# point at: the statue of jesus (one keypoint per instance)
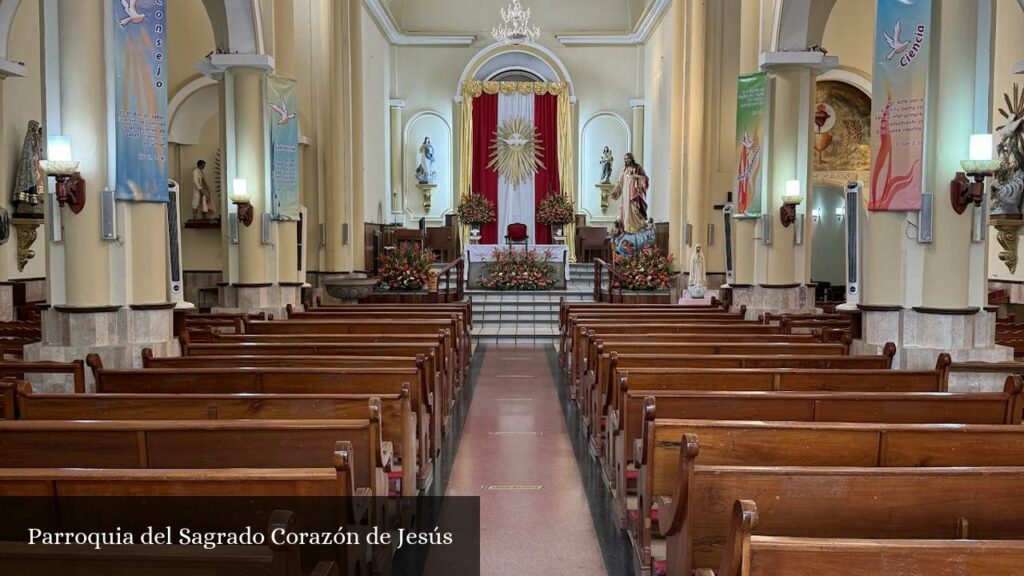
(634, 181)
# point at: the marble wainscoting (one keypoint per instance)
(773, 298)
(118, 334)
(256, 298)
(921, 334)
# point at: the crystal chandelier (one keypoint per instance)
(516, 28)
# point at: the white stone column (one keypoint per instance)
(637, 106)
(397, 201)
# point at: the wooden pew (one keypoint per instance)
(466, 307)
(602, 359)
(443, 400)
(177, 444)
(159, 560)
(335, 482)
(834, 502)
(748, 554)
(397, 421)
(657, 380)
(459, 342)
(19, 368)
(325, 381)
(736, 443)
(579, 344)
(915, 407)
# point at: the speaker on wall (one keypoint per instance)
(730, 277)
(854, 189)
(108, 221)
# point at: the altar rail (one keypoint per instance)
(610, 293)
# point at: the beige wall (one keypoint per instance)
(189, 38)
(23, 101)
(849, 35)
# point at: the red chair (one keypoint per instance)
(517, 234)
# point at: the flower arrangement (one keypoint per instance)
(407, 267)
(518, 270)
(555, 210)
(476, 210)
(645, 269)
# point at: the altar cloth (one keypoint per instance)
(480, 254)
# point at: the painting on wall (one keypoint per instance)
(842, 128)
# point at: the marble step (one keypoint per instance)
(516, 330)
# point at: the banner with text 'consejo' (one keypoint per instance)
(140, 84)
(898, 95)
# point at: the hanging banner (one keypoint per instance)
(284, 147)
(140, 86)
(751, 105)
(899, 88)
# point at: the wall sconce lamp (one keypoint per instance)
(963, 191)
(70, 188)
(240, 198)
(790, 199)
(816, 214)
(840, 214)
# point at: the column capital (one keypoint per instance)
(10, 69)
(779, 61)
(217, 65)
(637, 103)
(396, 103)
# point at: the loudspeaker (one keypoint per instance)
(730, 277)
(766, 229)
(108, 221)
(854, 189)
(175, 288)
(925, 219)
(688, 234)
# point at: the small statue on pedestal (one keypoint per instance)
(697, 284)
(30, 182)
(606, 165)
(202, 205)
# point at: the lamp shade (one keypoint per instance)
(240, 191)
(981, 147)
(792, 193)
(58, 148)
(840, 212)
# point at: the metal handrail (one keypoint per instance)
(599, 267)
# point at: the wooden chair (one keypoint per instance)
(593, 240)
(517, 233)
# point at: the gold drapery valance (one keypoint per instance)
(474, 88)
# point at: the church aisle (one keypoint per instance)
(515, 454)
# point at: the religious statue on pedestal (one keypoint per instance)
(606, 165)
(425, 173)
(30, 183)
(697, 284)
(202, 205)
(634, 183)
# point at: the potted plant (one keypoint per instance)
(407, 267)
(556, 210)
(475, 210)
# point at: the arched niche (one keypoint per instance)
(422, 125)
(828, 230)
(499, 58)
(600, 130)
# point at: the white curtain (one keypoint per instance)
(515, 204)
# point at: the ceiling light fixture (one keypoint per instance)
(516, 28)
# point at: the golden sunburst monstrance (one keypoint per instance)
(515, 152)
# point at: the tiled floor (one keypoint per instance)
(516, 454)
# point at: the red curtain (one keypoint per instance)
(545, 110)
(485, 180)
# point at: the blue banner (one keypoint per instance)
(140, 43)
(282, 101)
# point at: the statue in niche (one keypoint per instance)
(30, 182)
(697, 284)
(425, 173)
(1008, 190)
(606, 165)
(634, 183)
(202, 204)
